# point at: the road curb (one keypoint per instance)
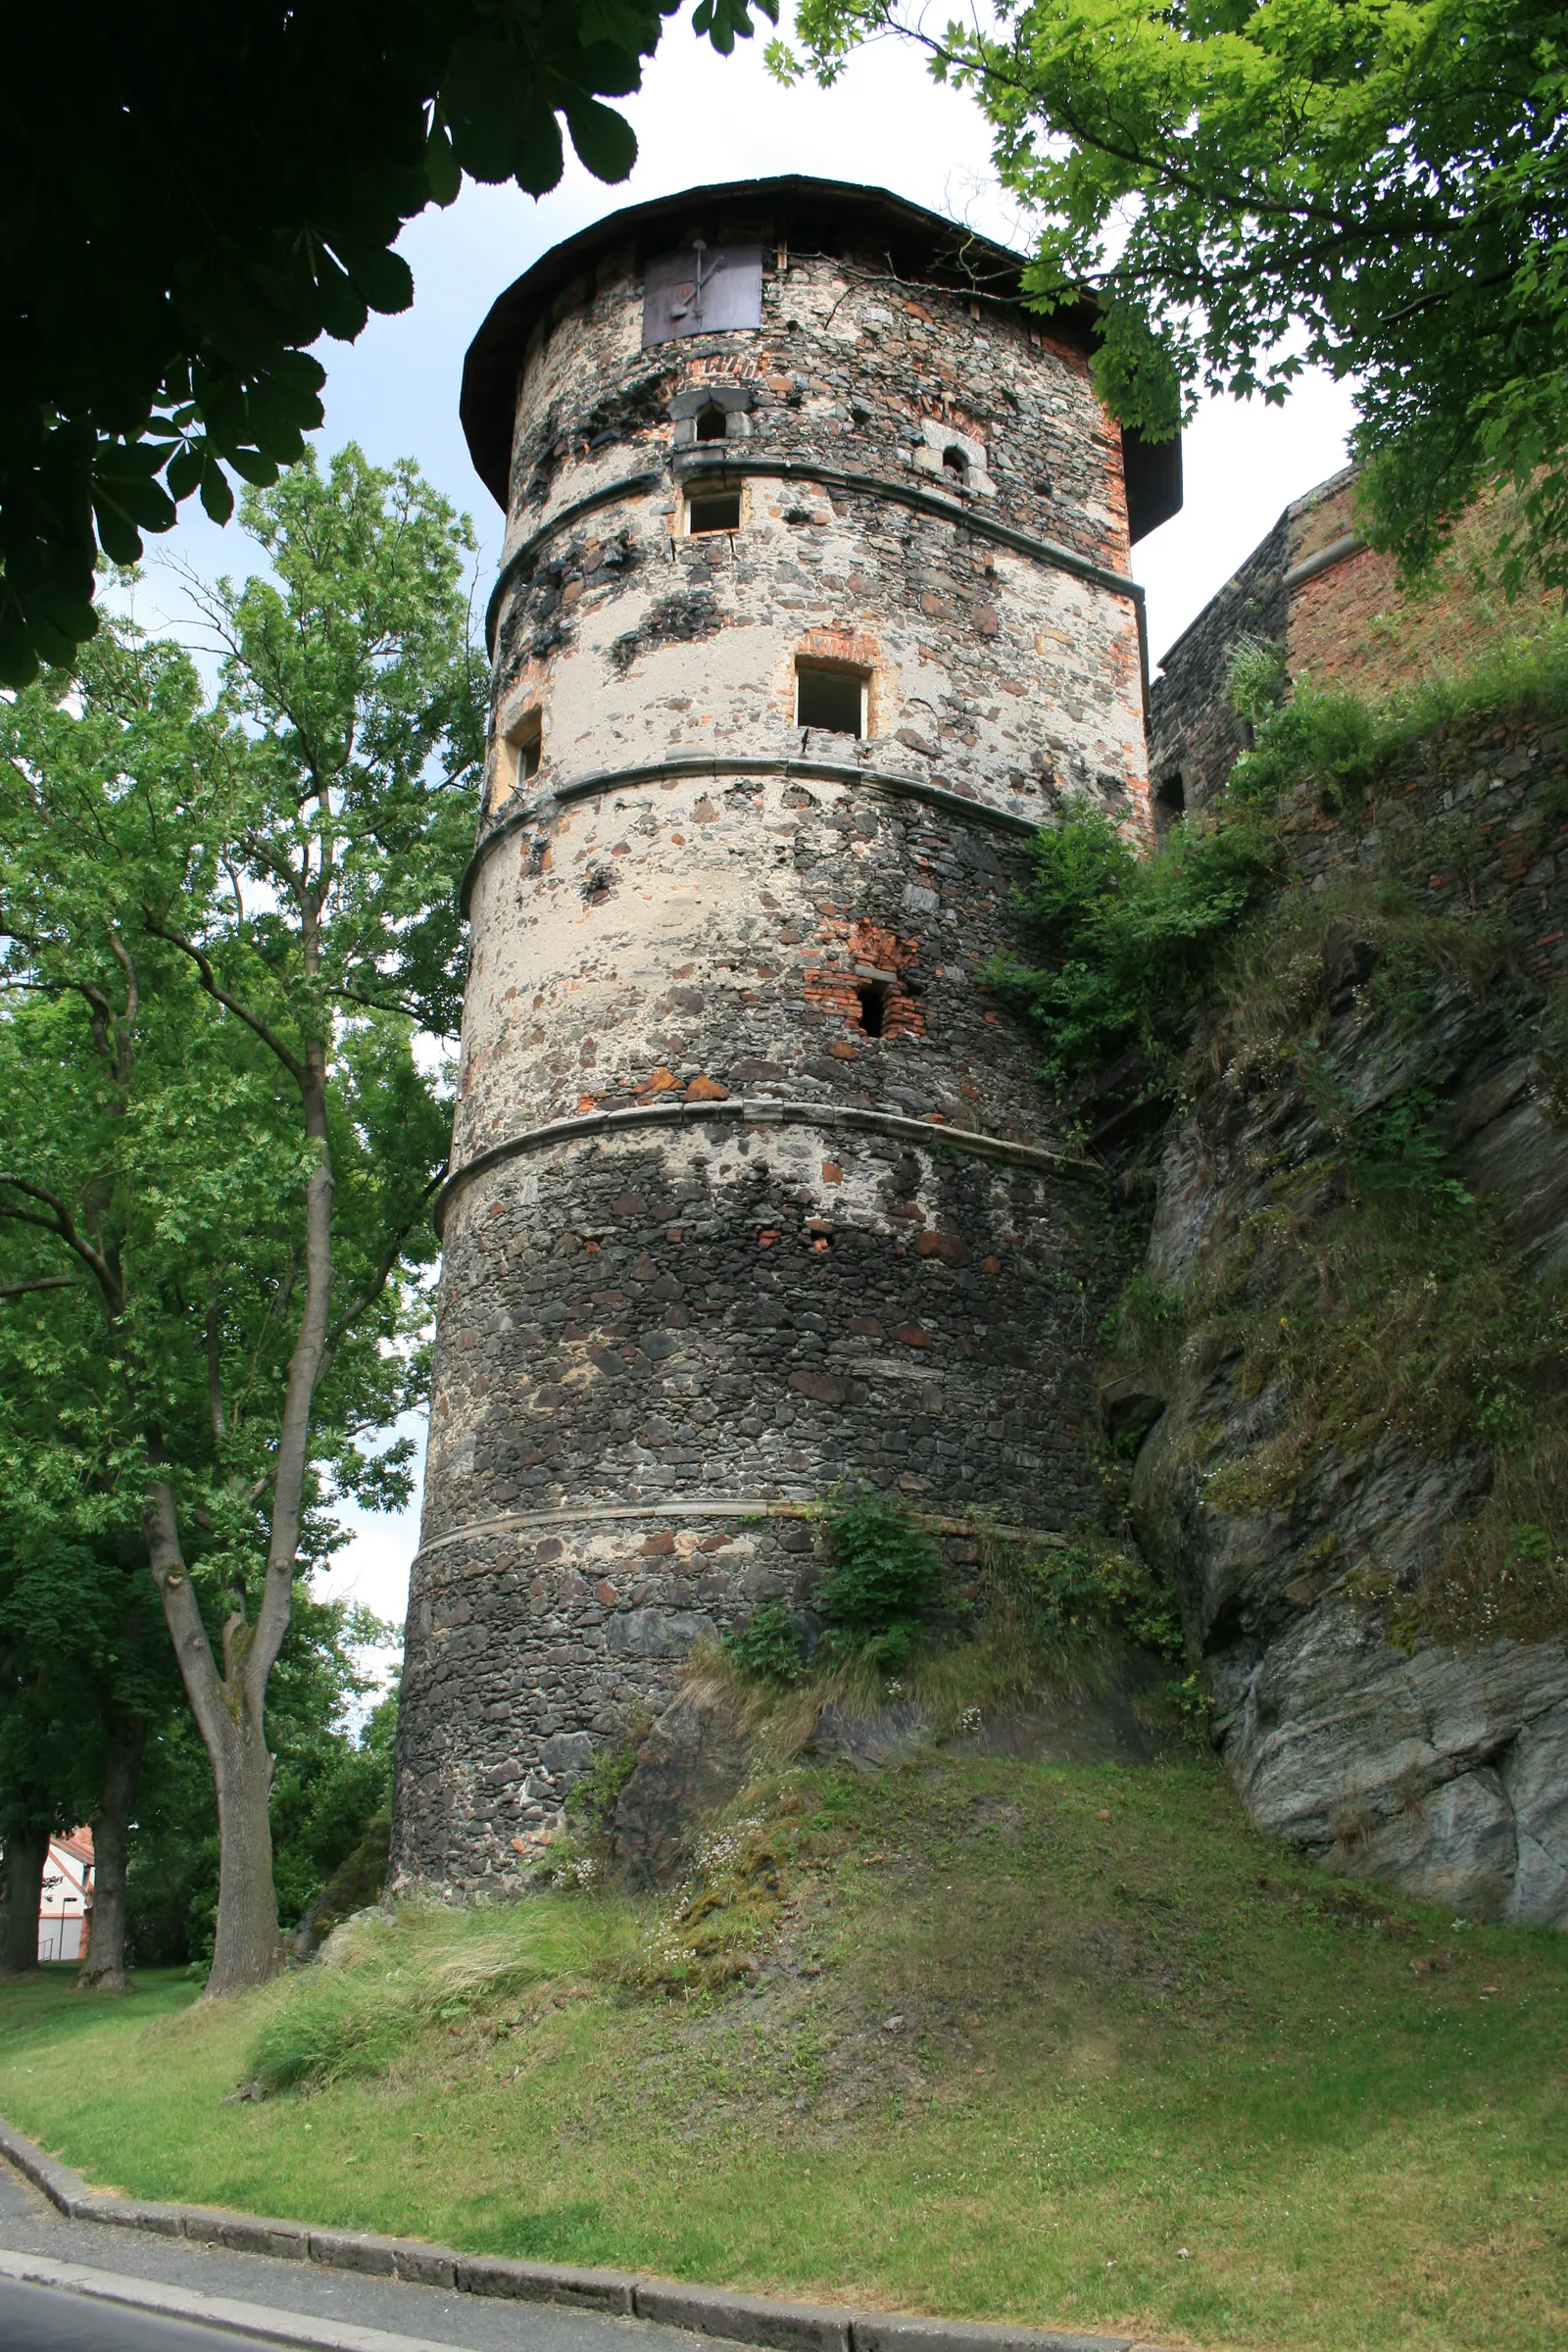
(258, 2321)
(736, 2319)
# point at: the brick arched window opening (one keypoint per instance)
(710, 422)
(873, 996)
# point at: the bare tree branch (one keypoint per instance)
(394, 1251)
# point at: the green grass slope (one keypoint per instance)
(1039, 2043)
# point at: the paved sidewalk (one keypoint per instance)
(421, 2315)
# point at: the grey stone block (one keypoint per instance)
(567, 1753)
(203, 2224)
(60, 2185)
(243, 2233)
(546, 2282)
(128, 2213)
(424, 2265)
(744, 2318)
(354, 2250)
(960, 2335)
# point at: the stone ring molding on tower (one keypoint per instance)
(813, 605)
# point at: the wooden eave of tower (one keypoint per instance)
(921, 247)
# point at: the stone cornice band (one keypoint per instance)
(707, 1506)
(828, 477)
(701, 467)
(881, 780)
(1348, 543)
(751, 1112)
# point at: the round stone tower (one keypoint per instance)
(814, 606)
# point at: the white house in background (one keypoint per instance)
(66, 1903)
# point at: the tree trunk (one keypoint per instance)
(228, 1716)
(229, 1705)
(21, 1895)
(103, 1966)
(248, 1949)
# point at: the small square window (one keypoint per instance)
(831, 698)
(712, 511)
(518, 753)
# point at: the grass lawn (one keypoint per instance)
(1038, 2042)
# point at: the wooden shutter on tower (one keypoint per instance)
(702, 290)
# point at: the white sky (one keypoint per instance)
(701, 118)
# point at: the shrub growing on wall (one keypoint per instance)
(883, 1575)
(1128, 941)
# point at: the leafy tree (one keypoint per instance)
(186, 214)
(227, 929)
(1379, 187)
(85, 1670)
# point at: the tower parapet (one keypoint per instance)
(814, 605)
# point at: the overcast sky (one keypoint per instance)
(701, 119)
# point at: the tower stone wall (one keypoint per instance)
(753, 1191)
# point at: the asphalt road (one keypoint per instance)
(43, 2318)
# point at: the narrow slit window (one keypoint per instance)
(831, 698)
(873, 996)
(712, 511)
(711, 423)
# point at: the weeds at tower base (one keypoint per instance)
(1046, 1617)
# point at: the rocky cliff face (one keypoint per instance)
(1348, 1345)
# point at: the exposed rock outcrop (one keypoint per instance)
(1077, 1726)
(692, 1762)
(1302, 1550)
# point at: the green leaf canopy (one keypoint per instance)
(187, 207)
(1379, 187)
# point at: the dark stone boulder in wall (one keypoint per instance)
(692, 1763)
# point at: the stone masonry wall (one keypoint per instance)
(1482, 807)
(738, 1310)
(1195, 737)
(1348, 625)
(753, 1189)
(994, 674)
(708, 936)
(651, 1323)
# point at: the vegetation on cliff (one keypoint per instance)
(1372, 1285)
(1040, 1612)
